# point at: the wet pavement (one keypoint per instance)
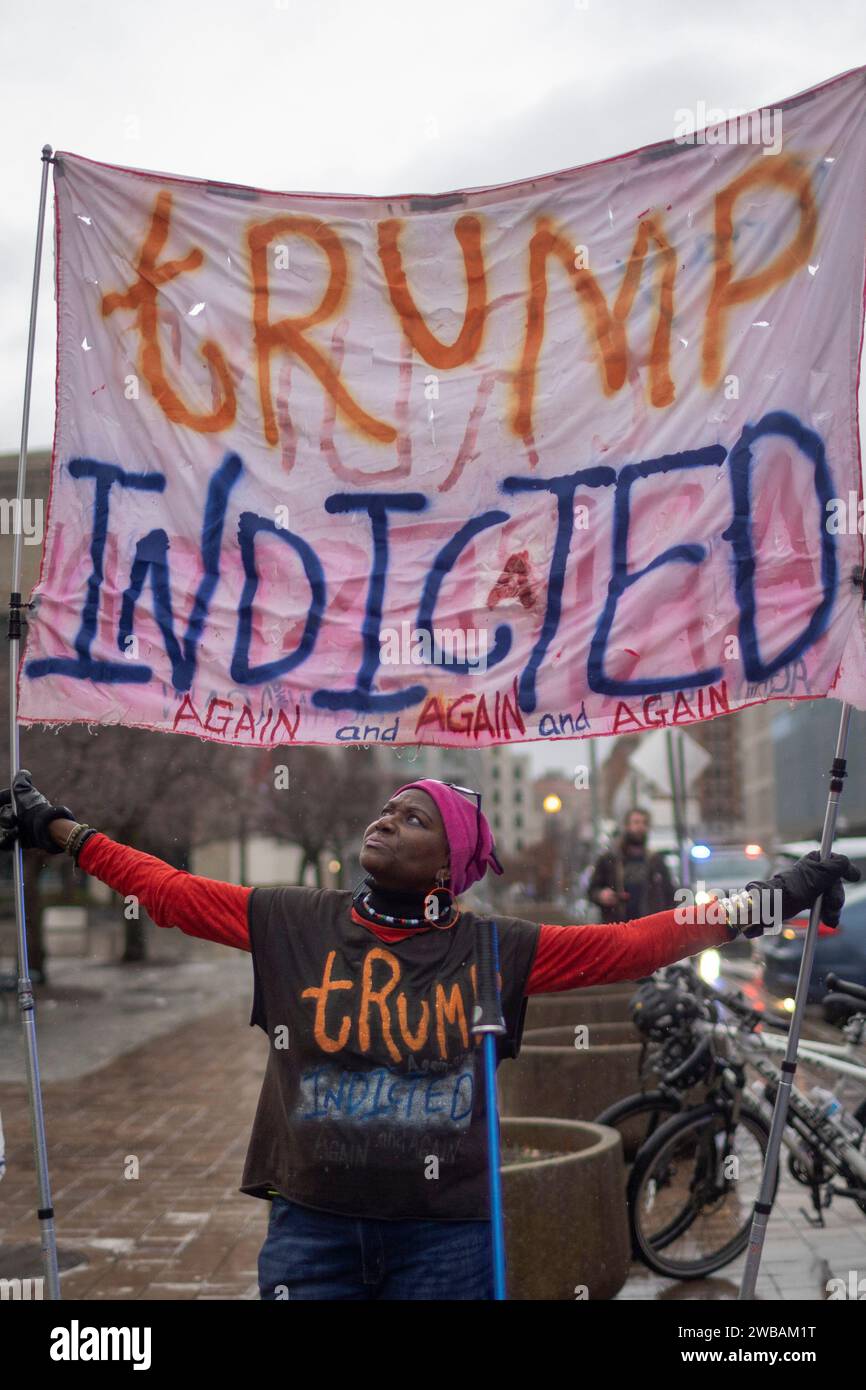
(145, 1157)
(150, 1077)
(146, 1150)
(798, 1261)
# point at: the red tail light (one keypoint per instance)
(802, 924)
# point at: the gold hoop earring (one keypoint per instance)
(440, 906)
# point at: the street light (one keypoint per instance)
(552, 805)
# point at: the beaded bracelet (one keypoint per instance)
(79, 833)
(734, 915)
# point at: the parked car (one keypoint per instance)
(842, 950)
(725, 869)
(852, 845)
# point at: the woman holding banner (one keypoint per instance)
(369, 1137)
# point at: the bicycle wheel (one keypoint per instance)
(853, 1180)
(637, 1118)
(690, 1204)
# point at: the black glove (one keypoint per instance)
(30, 819)
(810, 878)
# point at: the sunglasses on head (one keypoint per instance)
(465, 791)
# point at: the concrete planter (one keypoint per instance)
(552, 1077)
(566, 1226)
(597, 1035)
(599, 1004)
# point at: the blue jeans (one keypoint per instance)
(322, 1255)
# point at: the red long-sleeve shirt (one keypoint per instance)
(568, 957)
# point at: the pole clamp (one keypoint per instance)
(16, 620)
(838, 773)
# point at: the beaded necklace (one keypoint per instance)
(386, 919)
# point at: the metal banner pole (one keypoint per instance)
(764, 1204)
(675, 800)
(26, 1004)
(594, 799)
(685, 857)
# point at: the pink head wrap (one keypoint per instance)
(471, 855)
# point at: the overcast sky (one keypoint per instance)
(366, 96)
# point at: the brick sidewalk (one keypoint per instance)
(797, 1262)
(182, 1104)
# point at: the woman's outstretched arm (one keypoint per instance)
(572, 957)
(198, 906)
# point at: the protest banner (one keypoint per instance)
(576, 455)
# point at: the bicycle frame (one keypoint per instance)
(824, 1132)
(838, 1058)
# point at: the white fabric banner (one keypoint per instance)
(575, 455)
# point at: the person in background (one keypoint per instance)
(629, 881)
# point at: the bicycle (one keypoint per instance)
(838, 1141)
(695, 1180)
(664, 1011)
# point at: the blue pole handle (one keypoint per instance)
(489, 1023)
(494, 1159)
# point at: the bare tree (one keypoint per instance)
(141, 788)
(319, 799)
(165, 795)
